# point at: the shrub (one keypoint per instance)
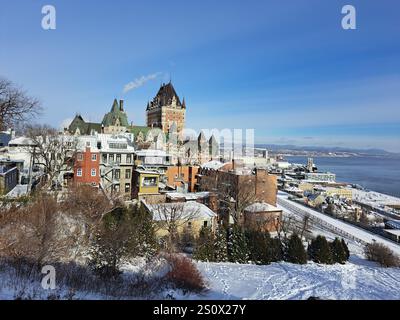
(346, 249)
(258, 243)
(184, 274)
(382, 254)
(221, 245)
(237, 246)
(275, 250)
(339, 253)
(319, 250)
(204, 249)
(295, 252)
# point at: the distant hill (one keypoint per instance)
(288, 147)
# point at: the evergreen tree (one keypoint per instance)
(338, 252)
(275, 250)
(319, 250)
(110, 245)
(144, 241)
(257, 244)
(237, 246)
(204, 249)
(221, 245)
(295, 252)
(346, 249)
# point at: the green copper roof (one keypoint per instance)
(136, 129)
(84, 127)
(116, 114)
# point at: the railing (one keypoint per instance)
(329, 227)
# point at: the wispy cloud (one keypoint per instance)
(138, 82)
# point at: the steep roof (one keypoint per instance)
(116, 114)
(84, 127)
(164, 96)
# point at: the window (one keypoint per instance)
(117, 174)
(127, 187)
(118, 160)
(116, 188)
(127, 173)
(79, 172)
(128, 158)
(80, 157)
(116, 145)
(205, 224)
(105, 158)
(94, 157)
(88, 144)
(149, 182)
(93, 172)
(110, 158)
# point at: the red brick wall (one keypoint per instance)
(87, 164)
(186, 173)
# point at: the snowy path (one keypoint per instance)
(290, 281)
(347, 230)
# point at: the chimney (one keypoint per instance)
(121, 105)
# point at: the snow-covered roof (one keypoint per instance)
(151, 153)
(182, 210)
(19, 190)
(395, 232)
(21, 141)
(214, 165)
(261, 207)
(188, 196)
(143, 171)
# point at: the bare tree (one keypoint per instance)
(172, 216)
(16, 107)
(305, 224)
(53, 152)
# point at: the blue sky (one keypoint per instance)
(285, 68)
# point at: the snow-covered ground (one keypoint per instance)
(357, 279)
(340, 227)
(374, 199)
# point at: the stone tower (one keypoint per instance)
(166, 110)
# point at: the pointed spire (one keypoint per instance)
(183, 103)
(115, 106)
(212, 140)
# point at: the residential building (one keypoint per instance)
(87, 165)
(8, 178)
(145, 183)
(237, 186)
(320, 177)
(346, 193)
(190, 216)
(262, 216)
(182, 178)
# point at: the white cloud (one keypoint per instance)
(138, 82)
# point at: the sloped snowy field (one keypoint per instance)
(355, 280)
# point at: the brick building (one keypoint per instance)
(86, 167)
(237, 187)
(182, 177)
(166, 109)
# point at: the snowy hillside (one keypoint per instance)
(355, 280)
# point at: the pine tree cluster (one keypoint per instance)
(322, 251)
(256, 246)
